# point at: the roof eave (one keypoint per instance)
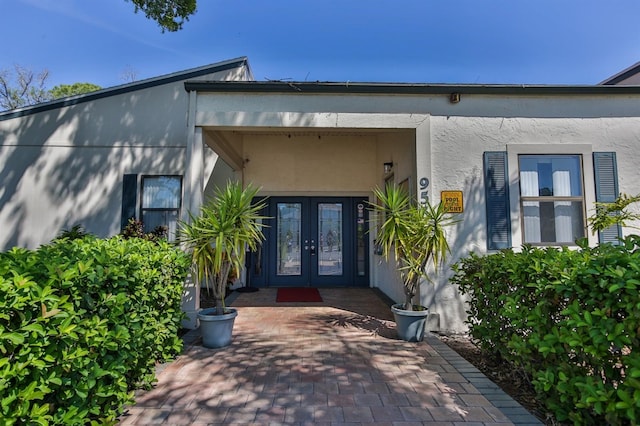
(126, 88)
(401, 88)
(622, 75)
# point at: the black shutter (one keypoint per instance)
(497, 200)
(129, 198)
(606, 180)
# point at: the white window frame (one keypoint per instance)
(588, 182)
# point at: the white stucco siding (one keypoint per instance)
(471, 105)
(461, 132)
(242, 73)
(458, 144)
(154, 116)
(65, 166)
(54, 188)
(467, 137)
(306, 165)
(622, 135)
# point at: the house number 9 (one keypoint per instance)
(424, 192)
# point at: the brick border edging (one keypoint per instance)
(492, 392)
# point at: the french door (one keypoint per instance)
(314, 241)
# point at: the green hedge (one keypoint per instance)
(82, 324)
(569, 318)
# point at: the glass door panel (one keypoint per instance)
(330, 259)
(314, 241)
(288, 248)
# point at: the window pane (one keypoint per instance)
(161, 192)
(163, 195)
(154, 218)
(550, 175)
(553, 222)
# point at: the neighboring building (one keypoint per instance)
(529, 162)
(627, 77)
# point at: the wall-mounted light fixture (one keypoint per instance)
(454, 98)
(388, 167)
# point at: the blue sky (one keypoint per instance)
(429, 41)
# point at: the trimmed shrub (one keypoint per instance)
(569, 318)
(83, 323)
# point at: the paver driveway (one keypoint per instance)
(337, 362)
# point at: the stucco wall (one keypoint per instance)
(64, 166)
(457, 147)
(307, 165)
(458, 144)
(57, 187)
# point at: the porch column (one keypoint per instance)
(427, 293)
(193, 196)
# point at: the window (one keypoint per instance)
(552, 199)
(161, 201)
(539, 194)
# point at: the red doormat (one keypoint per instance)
(298, 294)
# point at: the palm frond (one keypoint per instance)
(415, 233)
(218, 236)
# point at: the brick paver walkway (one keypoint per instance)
(332, 363)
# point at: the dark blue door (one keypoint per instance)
(314, 241)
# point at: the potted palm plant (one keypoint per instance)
(217, 239)
(414, 233)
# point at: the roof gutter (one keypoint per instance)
(402, 88)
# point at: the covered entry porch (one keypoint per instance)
(318, 171)
(318, 184)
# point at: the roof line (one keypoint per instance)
(622, 75)
(402, 88)
(126, 88)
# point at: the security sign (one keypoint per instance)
(452, 201)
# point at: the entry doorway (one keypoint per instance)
(313, 242)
